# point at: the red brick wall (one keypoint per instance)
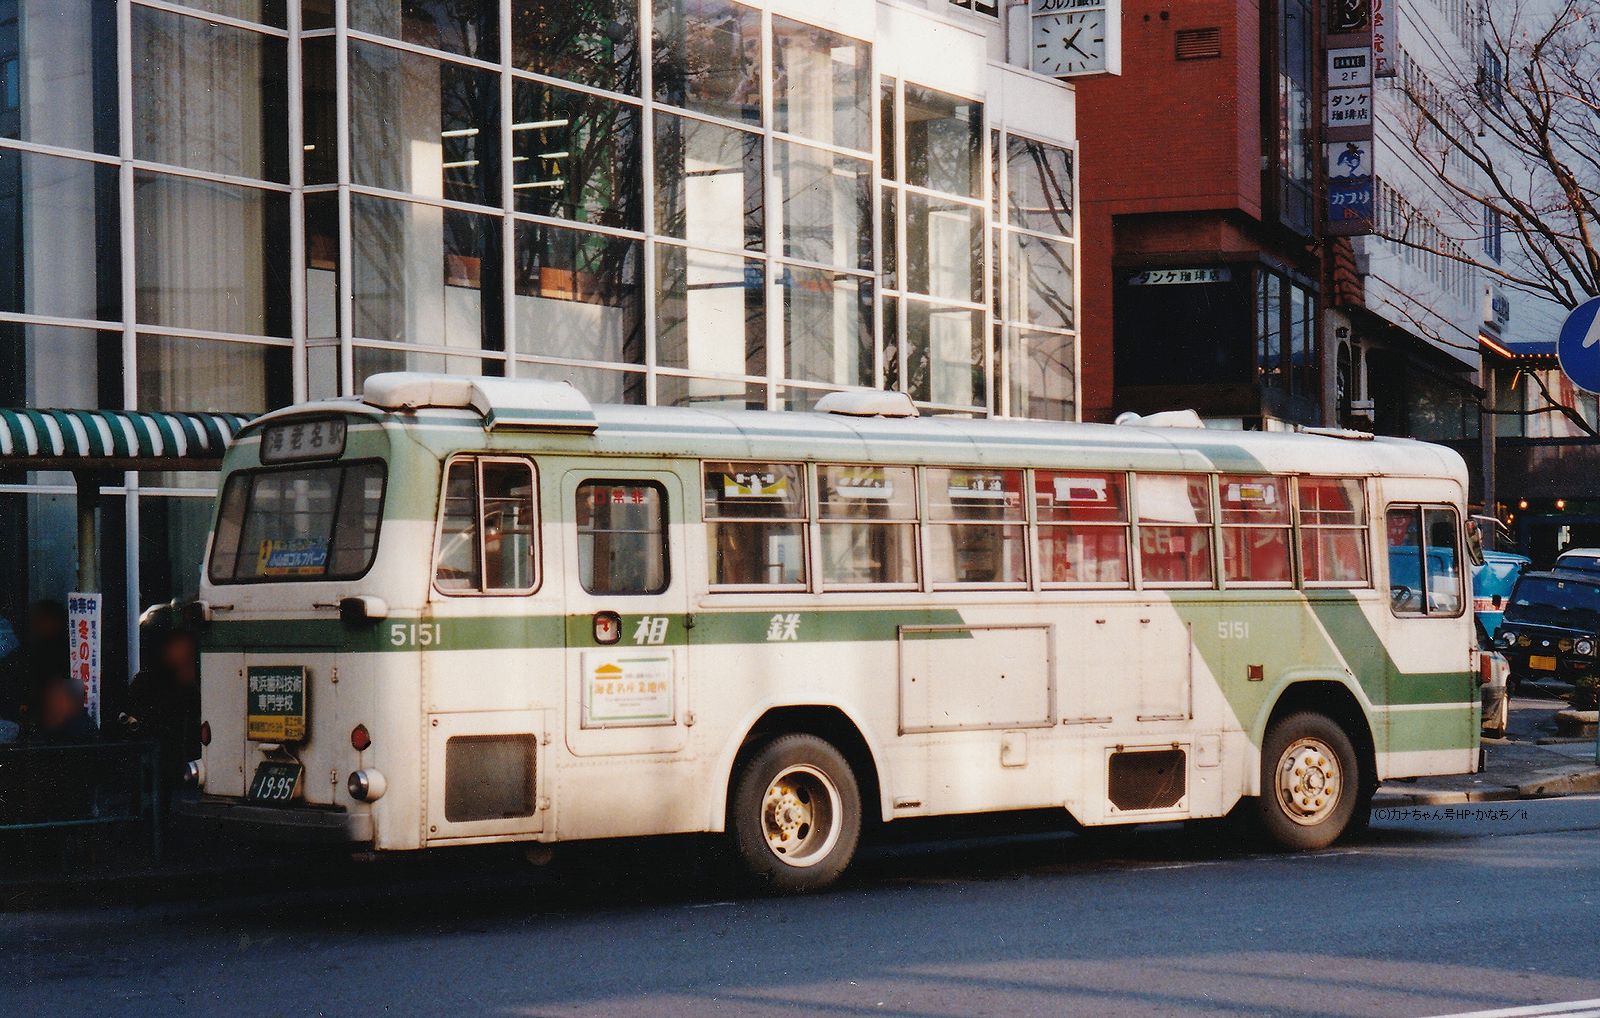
(1165, 136)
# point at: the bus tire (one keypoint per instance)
(1310, 781)
(795, 815)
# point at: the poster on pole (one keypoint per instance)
(83, 620)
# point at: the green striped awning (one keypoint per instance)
(114, 439)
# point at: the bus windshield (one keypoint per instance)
(1549, 601)
(306, 522)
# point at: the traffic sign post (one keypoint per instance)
(1578, 347)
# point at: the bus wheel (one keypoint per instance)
(796, 814)
(1310, 781)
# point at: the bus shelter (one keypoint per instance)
(98, 448)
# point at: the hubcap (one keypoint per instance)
(1309, 782)
(800, 815)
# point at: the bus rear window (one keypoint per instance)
(298, 523)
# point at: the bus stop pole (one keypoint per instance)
(88, 543)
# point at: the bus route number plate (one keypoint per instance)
(276, 699)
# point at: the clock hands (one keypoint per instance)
(1072, 43)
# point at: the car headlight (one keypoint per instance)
(1584, 647)
(1504, 639)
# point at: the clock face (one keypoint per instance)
(1073, 43)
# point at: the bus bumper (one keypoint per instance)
(279, 823)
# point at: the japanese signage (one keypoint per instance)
(622, 689)
(1348, 110)
(83, 620)
(1350, 187)
(1384, 32)
(275, 697)
(748, 484)
(302, 440)
(1350, 15)
(293, 556)
(1349, 107)
(1349, 66)
(1178, 277)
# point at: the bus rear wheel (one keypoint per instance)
(1310, 781)
(795, 816)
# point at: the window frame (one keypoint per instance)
(666, 533)
(1421, 508)
(1302, 530)
(805, 520)
(535, 544)
(925, 521)
(1212, 528)
(821, 584)
(1290, 528)
(249, 500)
(1039, 527)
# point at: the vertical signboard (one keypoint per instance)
(1384, 13)
(1348, 110)
(83, 620)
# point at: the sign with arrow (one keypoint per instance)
(1578, 347)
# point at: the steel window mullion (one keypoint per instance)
(346, 268)
(647, 143)
(215, 18)
(297, 206)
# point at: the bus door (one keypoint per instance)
(489, 637)
(627, 606)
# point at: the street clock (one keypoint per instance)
(1072, 38)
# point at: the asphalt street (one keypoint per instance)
(1481, 909)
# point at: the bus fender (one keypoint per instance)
(721, 777)
(1332, 693)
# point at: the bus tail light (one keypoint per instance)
(205, 733)
(366, 785)
(360, 738)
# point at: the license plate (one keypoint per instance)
(276, 783)
(1542, 663)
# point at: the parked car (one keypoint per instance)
(1582, 560)
(1494, 681)
(1551, 626)
(1492, 582)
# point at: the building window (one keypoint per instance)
(1492, 233)
(989, 7)
(1294, 128)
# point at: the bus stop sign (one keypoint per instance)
(1578, 347)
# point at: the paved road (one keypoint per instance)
(1423, 916)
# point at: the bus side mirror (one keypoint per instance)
(361, 609)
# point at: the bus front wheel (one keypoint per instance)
(796, 814)
(1310, 781)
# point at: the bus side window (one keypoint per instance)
(1333, 531)
(486, 530)
(755, 517)
(1174, 529)
(1256, 529)
(622, 537)
(1424, 571)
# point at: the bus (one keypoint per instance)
(455, 611)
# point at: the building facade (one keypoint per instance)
(231, 205)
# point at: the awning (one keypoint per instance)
(114, 439)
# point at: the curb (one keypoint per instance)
(1549, 788)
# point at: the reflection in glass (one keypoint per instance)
(708, 183)
(423, 125)
(423, 274)
(827, 326)
(579, 295)
(710, 393)
(1044, 372)
(319, 122)
(710, 312)
(209, 97)
(576, 156)
(944, 142)
(322, 266)
(59, 237)
(708, 57)
(209, 255)
(60, 73)
(944, 248)
(53, 366)
(267, 12)
(470, 29)
(827, 206)
(822, 85)
(598, 384)
(371, 360)
(1041, 281)
(202, 374)
(944, 355)
(594, 43)
(1039, 186)
(888, 165)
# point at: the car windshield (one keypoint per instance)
(1587, 563)
(298, 523)
(1543, 599)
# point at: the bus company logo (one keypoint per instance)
(784, 627)
(651, 630)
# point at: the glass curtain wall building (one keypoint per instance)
(235, 204)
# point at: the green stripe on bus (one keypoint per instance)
(1443, 728)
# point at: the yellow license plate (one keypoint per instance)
(1542, 663)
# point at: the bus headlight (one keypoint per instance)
(367, 785)
(1584, 647)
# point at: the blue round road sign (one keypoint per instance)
(1578, 347)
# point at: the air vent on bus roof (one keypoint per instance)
(1164, 419)
(867, 403)
(502, 402)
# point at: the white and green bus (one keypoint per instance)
(466, 610)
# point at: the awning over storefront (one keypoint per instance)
(114, 439)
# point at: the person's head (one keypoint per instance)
(179, 657)
(60, 700)
(47, 622)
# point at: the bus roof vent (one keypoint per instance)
(509, 403)
(1164, 419)
(867, 403)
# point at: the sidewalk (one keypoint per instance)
(1530, 763)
